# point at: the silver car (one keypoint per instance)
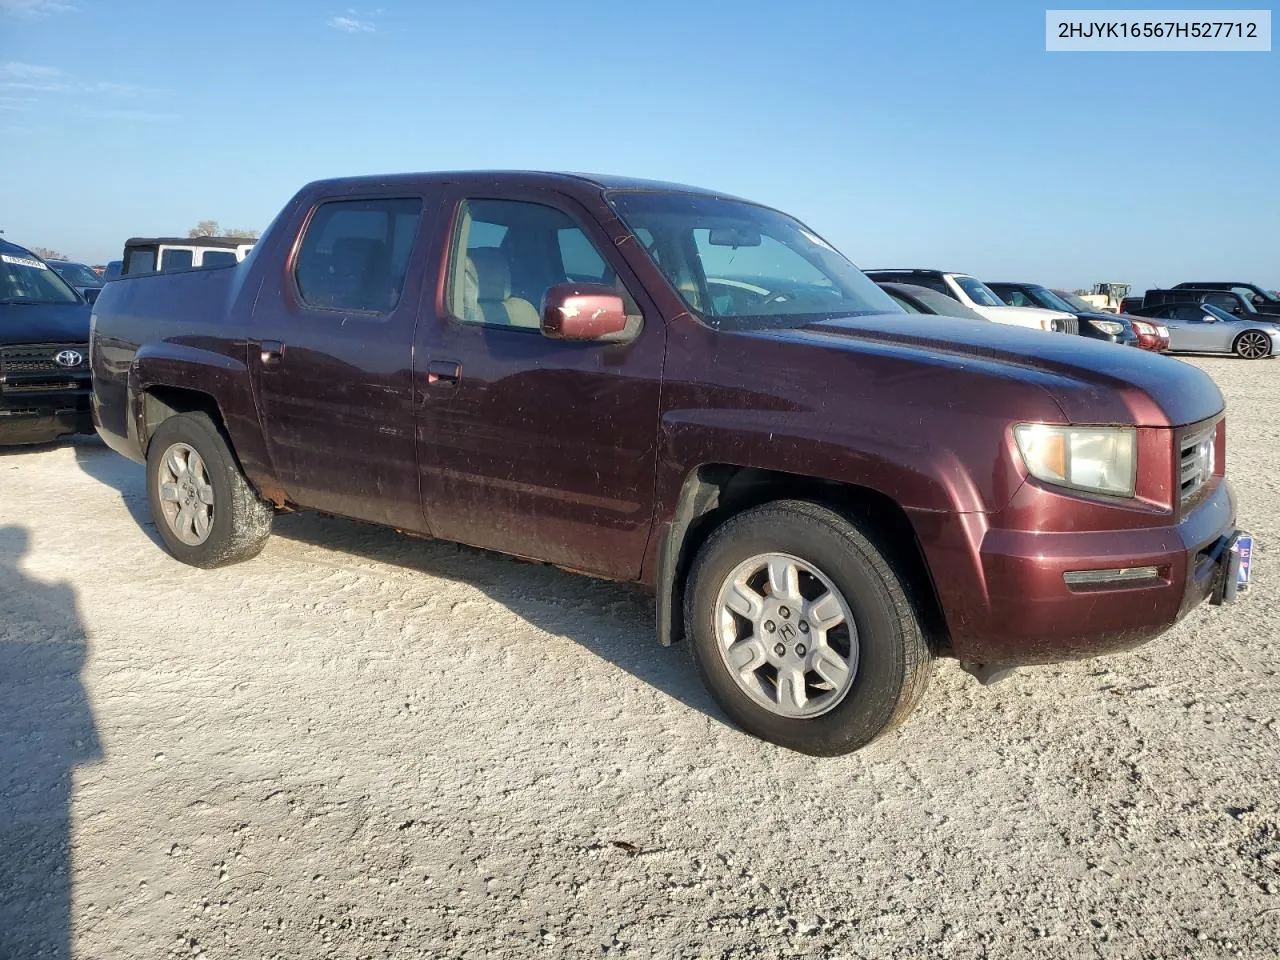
(1204, 328)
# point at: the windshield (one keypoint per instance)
(1051, 301)
(946, 306)
(1219, 312)
(27, 279)
(979, 292)
(1077, 304)
(77, 274)
(744, 267)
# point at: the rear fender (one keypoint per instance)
(226, 381)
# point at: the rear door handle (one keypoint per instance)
(272, 351)
(444, 371)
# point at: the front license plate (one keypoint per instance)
(1244, 547)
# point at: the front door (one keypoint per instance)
(531, 446)
(332, 356)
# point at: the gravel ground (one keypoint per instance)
(362, 745)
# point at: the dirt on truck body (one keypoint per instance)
(659, 384)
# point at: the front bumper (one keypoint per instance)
(1024, 611)
(46, 422)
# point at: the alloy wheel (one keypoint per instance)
(1253, 345)
(186, 495)
(787, 635)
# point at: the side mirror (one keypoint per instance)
(91, 294)
(582, 311)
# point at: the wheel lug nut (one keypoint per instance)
(779, 649)
(770, 626)
(784, 613)
(800, 651)
(804, 626)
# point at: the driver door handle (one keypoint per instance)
(271, 352)
(447, 372)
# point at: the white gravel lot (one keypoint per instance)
(363, 745)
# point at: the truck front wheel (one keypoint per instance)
(802, 631)
(205, 510)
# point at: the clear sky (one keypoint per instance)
(907, 133)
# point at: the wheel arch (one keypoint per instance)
(713, 493)
(167, 379)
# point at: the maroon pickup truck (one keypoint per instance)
(669, 386)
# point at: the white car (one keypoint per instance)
(977, 296)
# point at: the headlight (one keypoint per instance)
(1097, 459)
(1109, 327)
(1146, 329)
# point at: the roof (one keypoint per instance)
(227, 242)
(10, 247)
(549, 178)
(908, 270)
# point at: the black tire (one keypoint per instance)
(894, 656)
(241, 521)
(1250, 336)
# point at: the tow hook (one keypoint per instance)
(987, 673)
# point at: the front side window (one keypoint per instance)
(355, 254)
(508, 253)
(979, 292)
(741, 266)
(27, 279)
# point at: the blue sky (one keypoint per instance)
(930, 134)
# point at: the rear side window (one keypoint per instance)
(355, 254)
(175, 260)
(217, 258)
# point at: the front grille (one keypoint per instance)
(1195, 462)
(39, 358)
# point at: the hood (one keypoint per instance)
(1092, 381)
(1032, 317)
(43, 323)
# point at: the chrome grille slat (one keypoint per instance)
(1195, 462)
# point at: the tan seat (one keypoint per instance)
(487, 294)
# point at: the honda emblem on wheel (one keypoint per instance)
(68, 358)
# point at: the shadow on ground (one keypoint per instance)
(613, 621)
(46, 731)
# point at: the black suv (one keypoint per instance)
(1094, 324)
(44, 351)
(1232, 302)
(1263, 301)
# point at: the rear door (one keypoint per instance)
(531, 446)
(332, 354)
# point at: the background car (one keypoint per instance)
(1240, 304)
(916, 299)
(974, 294)
(1151, 335)
(1264, 301)
(1093, 323)
(1205, 328)
(163, 254)
(44, 351)
(79, 275)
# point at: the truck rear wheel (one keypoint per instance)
(802, 631)
(205, 510)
